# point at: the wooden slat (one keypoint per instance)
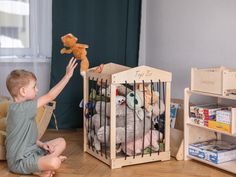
(108, 70)
(85, 100)
(142, 73)
(167, 117)
(113, 123)
(120, 162)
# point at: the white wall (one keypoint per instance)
(179, 34)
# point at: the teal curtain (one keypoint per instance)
(111, 29)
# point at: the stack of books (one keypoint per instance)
(201, 114)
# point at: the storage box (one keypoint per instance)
(198, 121)
(214, 151)
(219, 126)
(224, 116)
(219, 80)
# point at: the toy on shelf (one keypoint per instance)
(79, 50)
(98, 69)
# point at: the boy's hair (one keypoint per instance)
(18, 79)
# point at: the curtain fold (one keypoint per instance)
(109, 27)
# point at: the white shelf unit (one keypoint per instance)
(196, 133)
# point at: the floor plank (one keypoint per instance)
(80, 164)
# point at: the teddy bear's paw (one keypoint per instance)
(99, 68)
(118, 148)
(63, 51)
(100, 134)
(140, 113)
(82, 73)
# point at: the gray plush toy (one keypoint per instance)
(120, 127)
(120, 123)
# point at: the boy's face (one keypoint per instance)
(31, 90)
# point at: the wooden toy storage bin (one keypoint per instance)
(114, 75)
(221, 80)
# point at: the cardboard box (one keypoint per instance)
(219, 126)
(214, 151)
(207, 109)
(224, 116)
(199, 121)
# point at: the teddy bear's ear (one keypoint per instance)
(72, 36)
(134, 100)
(69, 35)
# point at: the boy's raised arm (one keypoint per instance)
(56, 90)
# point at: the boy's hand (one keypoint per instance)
(56, 90)
(48, 147)
(70, 67)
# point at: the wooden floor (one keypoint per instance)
(80, 164)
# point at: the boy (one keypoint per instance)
(26, 154)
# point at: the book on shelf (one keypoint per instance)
(206, 111)
(173, 113)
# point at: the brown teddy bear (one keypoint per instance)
(78, 50)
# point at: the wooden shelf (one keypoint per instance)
(196, 133)
(213, 130)
(227, 166)
(231, 97)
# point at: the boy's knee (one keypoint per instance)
(62, 142)
(55, 163)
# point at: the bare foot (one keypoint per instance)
(62, 158)
(45, 173)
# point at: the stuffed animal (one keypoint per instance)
(151, 110)
(151, 140)
(99, 119)
(151, 97)
(122, 90)
(98, 97)
(98, 69)
(120, 126)
(78, 50)
(101, 132)
(120, 118)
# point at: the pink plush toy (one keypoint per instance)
(139, 143)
